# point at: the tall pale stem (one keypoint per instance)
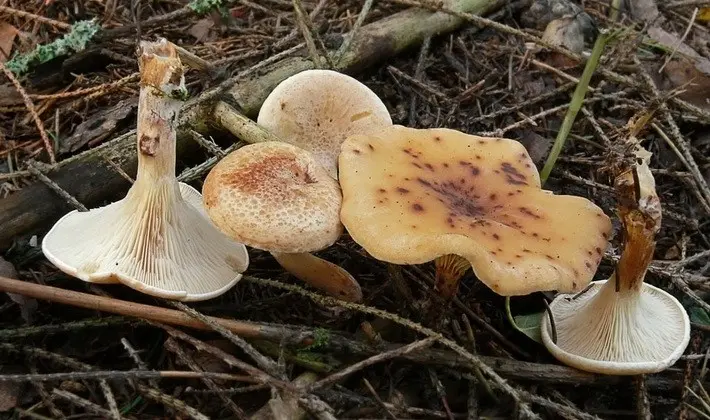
(162, 86)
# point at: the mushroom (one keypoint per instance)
(275, 197)
(317, 109)
(411, 196)
(623, 326)
(157, 239)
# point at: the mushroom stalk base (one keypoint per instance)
(321, 274)
(449, 270)
(618, 333)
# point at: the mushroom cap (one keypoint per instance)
(618, 333)
(275, 197)
(412, 195)
(162, 245)
(317, 110)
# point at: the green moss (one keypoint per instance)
(320, 338)
(180, 94)
(202, 7)
(80, 34)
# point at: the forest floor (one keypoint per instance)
(490, 77)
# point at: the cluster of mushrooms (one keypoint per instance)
(405, 195)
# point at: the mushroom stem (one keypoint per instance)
(640, 211)
(321, 274)
(449, 270)
(159, 102)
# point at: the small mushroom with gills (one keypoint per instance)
(158, 238)
(411, 196)
(317, 110)
(623, 326)
(275, 197)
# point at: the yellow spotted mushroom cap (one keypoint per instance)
(274, 196)
(412, 195)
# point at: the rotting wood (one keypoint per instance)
(93, 182)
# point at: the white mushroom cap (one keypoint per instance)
(618, 333)
(275, 197)
(161, 244)
(317, 110)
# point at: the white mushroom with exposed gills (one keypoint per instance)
(623, 326)
(317, 110)
(157, 239)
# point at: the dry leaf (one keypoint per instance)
(201, 29)
(565, 32)
(99, 126)
(28, 306)
(536, 145)
(10, 392)
(644, 10)
(7, 38)
(683, 73)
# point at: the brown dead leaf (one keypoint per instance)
(683, 73)
(28, 306)
(201, 29)
(536, 145)
(10, 392)
(9, 95)
(645, 11)
(8, 33)
(99, 126)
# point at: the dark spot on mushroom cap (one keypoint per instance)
(357, 151)
(493, 196)
(402, 190)
(417, 207)
(512, 175)
(437, 138)
(496, 236)
(370, 146)
(382, 190)
(526, 211)
(453, 195)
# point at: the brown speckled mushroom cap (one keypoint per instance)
(274, 197)
(412, 195)
(317, 110)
